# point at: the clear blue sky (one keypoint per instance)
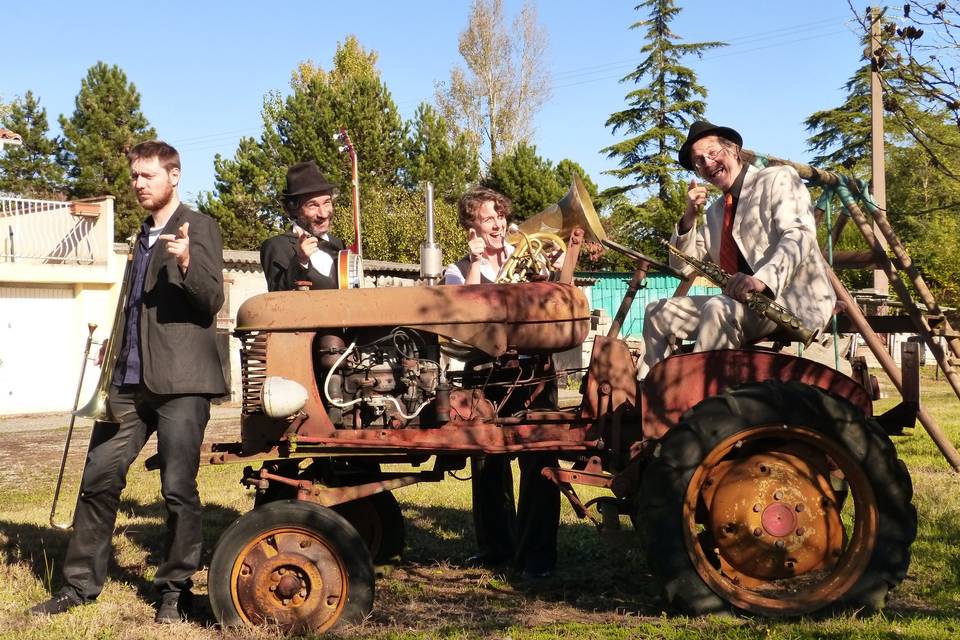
(202, 68)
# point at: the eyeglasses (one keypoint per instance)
(709, 156)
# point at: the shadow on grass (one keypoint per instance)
(43, 548)
(596, 574)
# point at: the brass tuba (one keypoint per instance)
(538, 240)
(97, 408)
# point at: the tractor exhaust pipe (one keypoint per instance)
(431, 257)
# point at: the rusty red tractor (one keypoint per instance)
(762, 481)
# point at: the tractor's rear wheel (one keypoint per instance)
(292, 564)
(379, 521)
(778, 499)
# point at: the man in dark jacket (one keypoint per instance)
(308, 251)
(167, 370)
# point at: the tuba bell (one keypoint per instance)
(540, 239)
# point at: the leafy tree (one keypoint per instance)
(449, 160)
(242, 205)
(920, 52)
(922, 139)
(530, 181)
(106, 123)
(923, 201)
(565, 171)
(300, 127)
(841, 136)
(505, 81)
(30, 169)
(660, 111)
(394, 226)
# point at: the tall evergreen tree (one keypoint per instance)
(106, 123)
(300, 127)
(530, 181)
(565, 171)
(245, 201)
(433, 152)
(841, 136)
(660, 111)
(30, 169)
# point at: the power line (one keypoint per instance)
(590, 74)
(705, 57)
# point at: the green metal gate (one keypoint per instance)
(608, 290)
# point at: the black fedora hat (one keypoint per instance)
(305, 177)
(700, 129)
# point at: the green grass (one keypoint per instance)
(601, 590)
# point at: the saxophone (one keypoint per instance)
(757, 302)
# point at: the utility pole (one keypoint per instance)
(879, 183)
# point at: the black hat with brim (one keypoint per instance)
(700, 129)
(305, 177)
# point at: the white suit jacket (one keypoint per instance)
(776, 233)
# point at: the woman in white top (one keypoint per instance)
(525, 536)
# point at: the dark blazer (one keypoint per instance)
(281, 265)
(178, 317)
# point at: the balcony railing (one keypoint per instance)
(50, 232)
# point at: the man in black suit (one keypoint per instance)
(308, 251)
(167, 370)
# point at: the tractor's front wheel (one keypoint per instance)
(292, 564)
(778, 499)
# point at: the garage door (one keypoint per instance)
(39, 357)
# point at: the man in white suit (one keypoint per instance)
(761, 231)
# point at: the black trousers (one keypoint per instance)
(179, 421)
(527, 535)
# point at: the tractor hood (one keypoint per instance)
(532, 317)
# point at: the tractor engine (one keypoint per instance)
(386, 381)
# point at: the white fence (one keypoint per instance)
(50, 232)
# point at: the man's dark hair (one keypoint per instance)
(473, 199)
(168, 156)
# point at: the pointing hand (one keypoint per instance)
(179, 245)
(477, 245)
(306, 244)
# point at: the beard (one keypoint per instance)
(160, 200)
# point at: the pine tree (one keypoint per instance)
(530, 181)
(246, 204)
(30, 170)
(300, 127)
(433, 152)
(659, 112)
(565, 171)
(106, 124)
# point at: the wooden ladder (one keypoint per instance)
(930, 324)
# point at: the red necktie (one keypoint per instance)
(729, 254)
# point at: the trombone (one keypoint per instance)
(97, 408)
